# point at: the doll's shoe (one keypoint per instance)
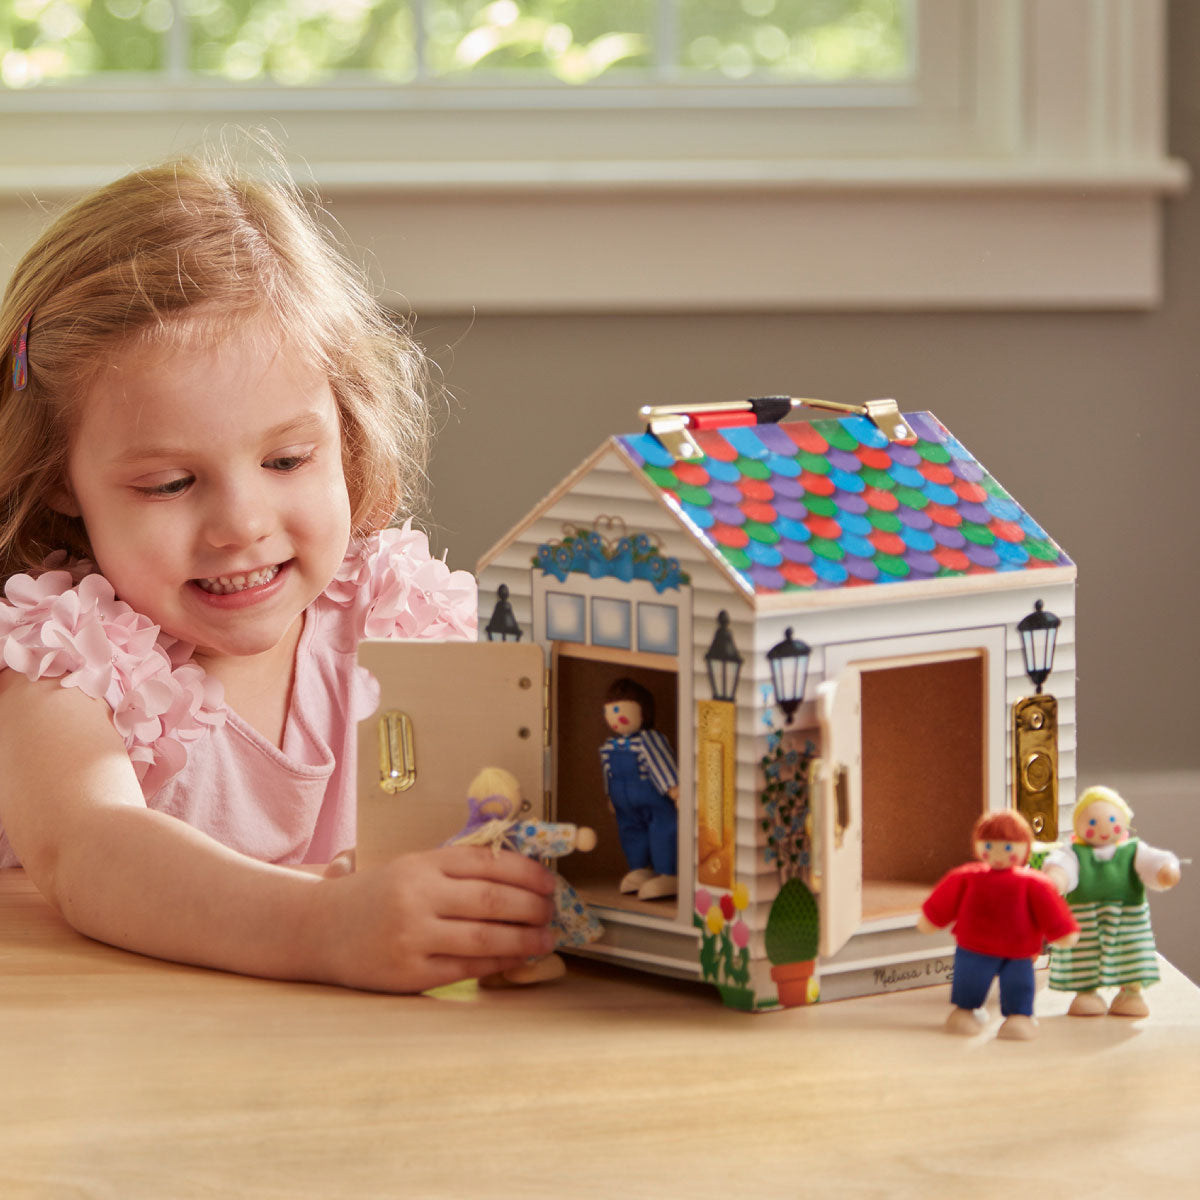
(539, 971)
(659, 887)
(966, 1022)
(634, 880)
(1129, 1002)
(1087, 1004)
(1018, 1028)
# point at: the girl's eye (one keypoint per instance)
(287, 462)
(171, 488)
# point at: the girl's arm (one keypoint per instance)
(124, 874)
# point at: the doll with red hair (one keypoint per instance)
(1001, 913)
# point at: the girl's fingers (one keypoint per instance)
(478, 862)
(485, 900)
(481, 941)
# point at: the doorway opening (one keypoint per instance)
(582, 675)
(924, 748)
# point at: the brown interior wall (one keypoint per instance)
(579, 730)
(923, 768)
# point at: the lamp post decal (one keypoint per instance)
(503, 622)
(1035, 727)
(788, 661)
(1039, 632)
(723, 661)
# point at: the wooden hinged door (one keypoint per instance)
(838, 813)
(446, 710)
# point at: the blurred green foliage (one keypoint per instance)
(572, 41)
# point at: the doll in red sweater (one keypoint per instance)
(1001, 912)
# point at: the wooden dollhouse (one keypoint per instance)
(835, 618)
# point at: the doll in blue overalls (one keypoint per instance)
(642, 783)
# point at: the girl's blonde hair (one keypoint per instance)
(184, 254)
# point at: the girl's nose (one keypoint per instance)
(237, 516)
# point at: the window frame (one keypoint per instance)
(1024, 167)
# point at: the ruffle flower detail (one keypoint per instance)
(403, 591)
(70, 626)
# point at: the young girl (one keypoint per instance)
(206, 426)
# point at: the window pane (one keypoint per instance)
(658, 628)
(565, 617)
(611, 623)
(298, 43)
(570, 40)
(814, 40)
(46, 40)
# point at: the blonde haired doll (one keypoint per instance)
(207, 429)
(1104, 875)
(496, 818)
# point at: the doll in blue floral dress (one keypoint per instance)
(496, 818)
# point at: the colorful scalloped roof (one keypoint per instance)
(831, 503)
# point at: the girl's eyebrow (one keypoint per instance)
(309, 422)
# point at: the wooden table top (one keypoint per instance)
(125, 1077)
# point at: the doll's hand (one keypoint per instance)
(1066, 941)
(1057, 877)
(427, 919)
(1167, 877)
(925, 925)
(673, 795)
(585, 838)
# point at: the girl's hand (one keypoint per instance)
(431, 918)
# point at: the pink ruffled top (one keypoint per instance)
(194, 757)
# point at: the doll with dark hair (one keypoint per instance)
(1001, 912)
(642, 782)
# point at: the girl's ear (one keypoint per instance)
(62, 500)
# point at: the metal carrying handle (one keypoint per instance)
(674, 424)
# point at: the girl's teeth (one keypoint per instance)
(224, 585)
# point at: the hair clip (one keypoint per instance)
(20, 350)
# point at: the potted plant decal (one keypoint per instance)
(791, 937)
(791, 943)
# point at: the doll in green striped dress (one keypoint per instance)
(1104, 875)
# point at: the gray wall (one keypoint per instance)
(1090, 419)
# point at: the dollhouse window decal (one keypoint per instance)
(611, 623)
(658, 628)
(566, 617)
